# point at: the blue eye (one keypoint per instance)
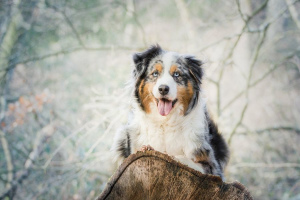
(155, 74)
(176, 74)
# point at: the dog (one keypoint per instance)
(169, 113)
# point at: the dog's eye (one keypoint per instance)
(176, 74)
(155, 74)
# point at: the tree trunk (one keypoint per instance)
(153, 175)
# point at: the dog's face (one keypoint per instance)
(166, 81)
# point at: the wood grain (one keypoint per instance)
(154, 175)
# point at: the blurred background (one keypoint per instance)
(64, 65)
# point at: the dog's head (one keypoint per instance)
(166, 81)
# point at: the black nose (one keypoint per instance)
(163, 89)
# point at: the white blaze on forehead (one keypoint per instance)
(166, 78)
(168, 59)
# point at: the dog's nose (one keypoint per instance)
(163, 89)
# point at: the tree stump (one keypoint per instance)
(154, 175)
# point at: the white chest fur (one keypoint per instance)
(175, 134)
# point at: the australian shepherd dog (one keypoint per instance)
(169, 113)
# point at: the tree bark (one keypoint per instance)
(153, 175)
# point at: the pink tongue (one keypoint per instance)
(164, 107)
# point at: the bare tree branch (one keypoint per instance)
(138, 23)
(244, 17)
(293, 12)
(254, 59)
(8, 159)
(260, 8)
(267, 165)
(185, 18)
(42, 138)
(5, 22)
(280, 14)
(69, 51)
(212, 81)
(69, 22)
(224, 63)
(238, 123)
(257, 81)
(218, 42)
(263, 28)
(8, 40)
(275, 129)
(66, 139)
(5, 146)
(229, 56)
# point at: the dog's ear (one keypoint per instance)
(138, 64)
(137, 58)
(195, 68)
(141, 60)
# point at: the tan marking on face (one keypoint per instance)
(173, 69)
(158, 67)
(185, 95)
(146, 95)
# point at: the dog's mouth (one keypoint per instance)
(165, 106)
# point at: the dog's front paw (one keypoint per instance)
(146, 148)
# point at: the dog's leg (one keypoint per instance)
(205, 157)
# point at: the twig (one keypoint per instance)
(244, 29)
(185, 18)
(44, 135)
(267, 165)
(263, 28)
(238, 123)
(69, 22)
(218, 41)
(71, 135)
(244, 18)
(218, 85)
(5, 146)
(293, 12)
(135, 17)
(8, 159)
(260, 8)
(212, 81)
(254, 83)
(254, 59)
(280, 13)
(103, 135)
(5, 24)
(275, 128)
(256, 53)
(69, 51)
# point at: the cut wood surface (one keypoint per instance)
(154, 175)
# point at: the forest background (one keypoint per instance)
(64, 65)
